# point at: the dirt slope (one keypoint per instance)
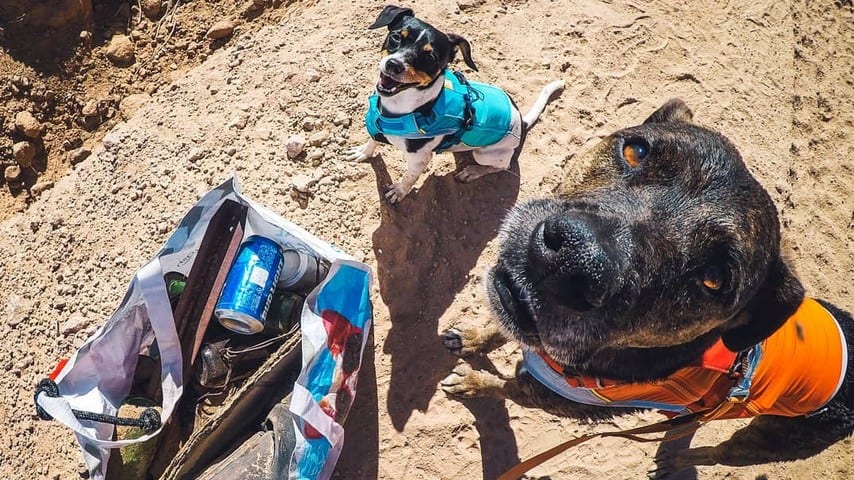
(773, 76)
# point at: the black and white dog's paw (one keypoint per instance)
(396, 192)
(361, 153)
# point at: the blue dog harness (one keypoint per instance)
(472, 113)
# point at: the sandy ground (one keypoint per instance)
(774, 77)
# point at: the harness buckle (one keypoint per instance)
(468, 114)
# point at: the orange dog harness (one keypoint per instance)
(795, 371)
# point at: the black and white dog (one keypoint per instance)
(422, 107)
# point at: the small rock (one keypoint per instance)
(317, 138)
(41, 187)
(295, 146)
(315, 155)
(195, 155)
(12, 173)
(113, 141)
(22, 365)
(72, 141)
(74, 324)
(342, 120)
(130, 104)
(221, 29)
(78, 155)
(252, 8)
(309, 124)
(239, 121)
(302, 183)
(90, 109)
(28, 125)
(24, 153)
(264, 133)
(151, 8)
(120, 50)
(466, 5)
(312, 75)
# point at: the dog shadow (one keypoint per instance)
(426, 247)
(766, 439)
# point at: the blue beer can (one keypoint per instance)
(249, 285)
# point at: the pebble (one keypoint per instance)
(466, 5)
(295, 146)
(120, 50)
(195, 155)
(309, 124)
(12, 173)
(28, 125)
(264, 133)
(41, 187)
(342, 120)
(73, 141)
(130, 104)
(221, 29)
(78, 155)
(239, 121)
(317, 138)
(302, 183)
(315, 156)
(22, 365)
(312, 75)
(24, 153)
(151, 8)
(75, 323)
(90, 109)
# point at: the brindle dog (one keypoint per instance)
(666, 245)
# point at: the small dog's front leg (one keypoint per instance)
(363, 153)
(416, 162)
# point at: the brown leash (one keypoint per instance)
(678, 427)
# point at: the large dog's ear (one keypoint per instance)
(465, 49)
(776, 301)
(674, 110)
(390, 15)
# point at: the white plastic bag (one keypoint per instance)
(99, 375)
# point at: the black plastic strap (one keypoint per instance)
(148, 421)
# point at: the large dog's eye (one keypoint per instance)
(393, 40)
(713, 278)
(634, 152)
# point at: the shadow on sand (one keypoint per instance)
(426, 248)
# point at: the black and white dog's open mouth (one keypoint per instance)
(387, 85)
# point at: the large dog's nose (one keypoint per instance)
(573, 261)
(394, 66)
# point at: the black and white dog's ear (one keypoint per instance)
(674, 110)
(390, 15)
(463, 45)
(777, 300)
